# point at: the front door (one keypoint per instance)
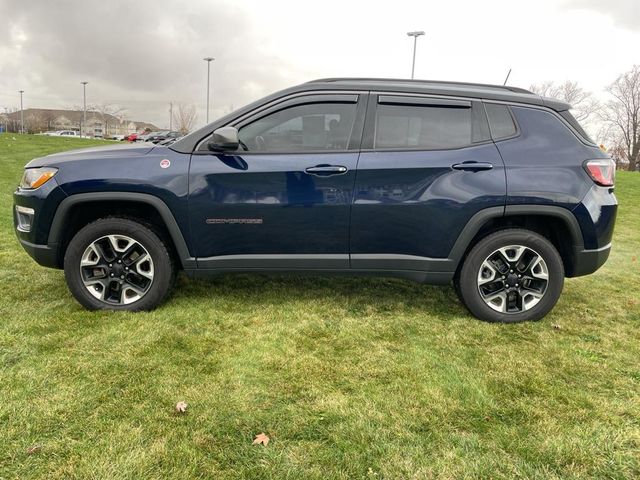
(283, 199)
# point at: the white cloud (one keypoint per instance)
(143, 54)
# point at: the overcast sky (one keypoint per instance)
(142, 54)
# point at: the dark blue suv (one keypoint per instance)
(493, 188)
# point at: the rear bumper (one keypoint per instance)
(588, 261)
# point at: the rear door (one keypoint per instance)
(426, 167)
(283, 199)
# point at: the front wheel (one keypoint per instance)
(511, 276)
(118, 264)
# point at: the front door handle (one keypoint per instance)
(472, 166)
(326, 170)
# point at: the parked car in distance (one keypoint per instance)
(62, 133)
(132, 137)
(491, 188)
(156, 138)
(142, 137)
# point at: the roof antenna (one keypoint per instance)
(505, 80)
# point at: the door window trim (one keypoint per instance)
(395, 98)
(357, 98)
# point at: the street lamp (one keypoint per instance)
(84, 107)
(415, 36)
(208, 60)
(21, 113)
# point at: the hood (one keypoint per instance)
(91, 153)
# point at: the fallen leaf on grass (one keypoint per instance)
(261, 438)
(555, 326)
(634, 258)
(34, 449)
(181, 407)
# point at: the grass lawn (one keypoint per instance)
(351, 378)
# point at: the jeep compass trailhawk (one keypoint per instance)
(493, 188)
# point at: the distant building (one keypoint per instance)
(38, 120)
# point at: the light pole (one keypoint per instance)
(208, 60)
(21, 113)
(84, 108)
(415, 36)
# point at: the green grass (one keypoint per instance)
(350, 377)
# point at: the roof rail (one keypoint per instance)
(423, 82)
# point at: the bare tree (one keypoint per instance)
(106, 112)
(35, 122)
(583, 104)
(48, 118)
(610, 136)
(13, 121)
(184, 117)
(622, 113)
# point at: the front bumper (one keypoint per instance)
(33, 212)
(45, 255)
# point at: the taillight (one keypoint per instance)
(602, 171)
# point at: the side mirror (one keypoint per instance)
(223, 139)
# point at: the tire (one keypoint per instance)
(119, 264)
(488, 283)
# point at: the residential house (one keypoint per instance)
(98, 124)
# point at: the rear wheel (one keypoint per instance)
(511, 276)
(118, 264)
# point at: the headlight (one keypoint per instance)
(36, 177)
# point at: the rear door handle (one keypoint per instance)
(326, 170)
(472, 166)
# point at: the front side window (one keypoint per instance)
(430, 127)
(301, 128)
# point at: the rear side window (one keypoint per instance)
(500, 121)
(430, 127)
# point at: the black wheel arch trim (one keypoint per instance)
(476, 222)
(570, 221)
(62, 212)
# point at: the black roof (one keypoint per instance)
(421, 83)
(504, 93)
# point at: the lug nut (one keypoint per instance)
(113, 274)
(111, 265)
(126, 268)
(503, 277)
(119, 261)
(507, 285)
(517, 285)
(519, 276)
(121, 276)
(510, 271)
